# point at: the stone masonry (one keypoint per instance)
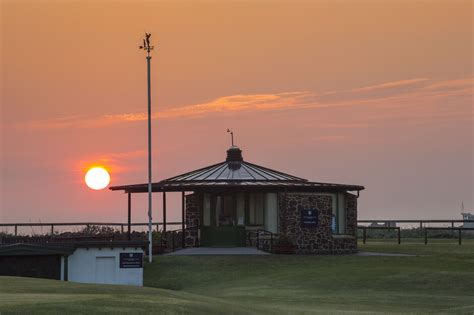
(319, 240)
(193, 219)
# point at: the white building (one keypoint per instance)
(87, 262)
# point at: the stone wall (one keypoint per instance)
(318, 240)
(351, 214)
(193, 219)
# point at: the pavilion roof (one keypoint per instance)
(235, 173)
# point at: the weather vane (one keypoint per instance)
(231, 135)
(146, 43)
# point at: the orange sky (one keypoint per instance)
(362, 92)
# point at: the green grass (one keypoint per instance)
(437, 247)
(28, 295)
(439, 280)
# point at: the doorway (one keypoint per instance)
(223, 220)
(105, 270)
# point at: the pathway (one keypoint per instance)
(218, 251)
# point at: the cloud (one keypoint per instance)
(227, 104)
(391, 85)
(395, 95)
(126, 117)
(405, 92)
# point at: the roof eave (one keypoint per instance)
(247, 185)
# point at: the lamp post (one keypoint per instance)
(148, 48)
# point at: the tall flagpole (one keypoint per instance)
(147, 47)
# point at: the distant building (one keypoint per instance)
(384, 224)
(468, 216)
(231, 200)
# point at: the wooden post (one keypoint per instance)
(173, 234)
(421, 224)
(399, 238)
(52, 229)
(426, 236)
(271, 243)
(183, 218)
(66, 268)
(452, 226)
(364, 235)
(16, 230)
(247, 210)
(460, 230)
(258, 239)
(121, 228)
(129, 232)
(164, 212)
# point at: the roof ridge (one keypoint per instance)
(195, 171)
(219, 168)
(275, 171)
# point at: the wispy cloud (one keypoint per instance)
(403, 92)
(391, 85)
(227, 104)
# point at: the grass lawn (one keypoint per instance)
(440, 280)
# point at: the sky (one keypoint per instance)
(374, 93)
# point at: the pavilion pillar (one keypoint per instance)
(247, 209)
(129, 231)
(164, 212)
(183, 206)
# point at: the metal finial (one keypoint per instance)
(231, 135)
(146, 44)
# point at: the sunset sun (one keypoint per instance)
(97, 178)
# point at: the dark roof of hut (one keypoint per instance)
(234, 172)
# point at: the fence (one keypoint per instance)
(417, 228)
(416, 223)
(365, 228)
(53, 227)
(176, 237)
(459, 229)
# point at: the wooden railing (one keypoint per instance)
(4, 240)
(365, 228)
(424, 229)
(262, 239)
(171, 241)
(420, 223)
(52, 226)
(175, 239)
(459, 229)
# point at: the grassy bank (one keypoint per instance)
(441, 280)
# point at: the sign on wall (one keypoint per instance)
(131, 260)
(309, 218)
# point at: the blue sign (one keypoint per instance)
(131, 260)
(309, 218)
